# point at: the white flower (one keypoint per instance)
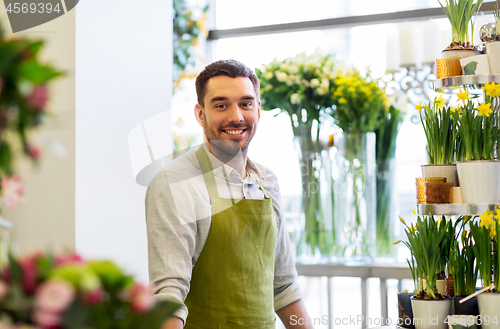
(295, 98)
(322, 90)
(281, 76)
(315, 83)
(294, 69)
(325, 83)
(305, 83)
(268, 75)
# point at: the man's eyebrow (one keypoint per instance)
(222, 98)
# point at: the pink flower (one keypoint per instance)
(141, 298)
(69, 259)
(34, 152)
(30, 273)
(51, 299)
(38, 97)
(4, 289)
(54, 295)
(94, 297)
(46, 319)
(12, 191)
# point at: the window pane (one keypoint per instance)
(233, 14)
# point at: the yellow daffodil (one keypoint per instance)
(488, 88)
(413, 212)
(493, 230)
(342, 100)
(486, 219)
(412, 228)
(463, 95)
(439, 102)
(484, 109)
(419, 107)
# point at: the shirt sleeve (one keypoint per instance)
(286, 287)
(171, 229)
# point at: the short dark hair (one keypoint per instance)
(230, 68)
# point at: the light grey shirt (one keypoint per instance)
(178, 214)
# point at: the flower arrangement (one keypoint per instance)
(359, 102)
(485, 234)
(461, 14)
(441, 130)
(478, 125)
(429, 241)
(386, 136)
(44, 291)
(23, 98)
(303, 87)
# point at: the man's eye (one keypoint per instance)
(220, 106)
(248, 104)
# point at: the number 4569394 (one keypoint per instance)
(32, 8)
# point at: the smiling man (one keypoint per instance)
(217, 239)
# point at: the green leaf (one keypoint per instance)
(36, 72)
(470, 69)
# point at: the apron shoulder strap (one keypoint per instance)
(208, 175)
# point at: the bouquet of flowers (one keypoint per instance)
(23, 99)
(303, 87)
(44, 291)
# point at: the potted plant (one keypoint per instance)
(462, 265)
(478, 132)
(441, 133)
(486, 245)
(426, 240)
(491, 37)
(462, 15)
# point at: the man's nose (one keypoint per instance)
(236, 114)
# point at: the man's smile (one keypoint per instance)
(234, 132)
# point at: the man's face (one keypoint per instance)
(230, 114)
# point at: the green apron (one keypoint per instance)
(232, 281)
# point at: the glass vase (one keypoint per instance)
(315, 241)
(355, 196)
(386, 209)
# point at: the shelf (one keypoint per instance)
(454, 209)
(472, 83)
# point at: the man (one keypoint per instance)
(216, 234)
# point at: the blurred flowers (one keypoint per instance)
(64, 291)
(23, 99)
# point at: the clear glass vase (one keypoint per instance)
(355, 196)
(386, 209)
(315, 239)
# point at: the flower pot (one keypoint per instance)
(493, 53)
(479, 181)
(449, 171)
(469, 307)
(463, 321)
(489, 310)
(430, 314)
(459, 53)
(405, 313)
(475, 65)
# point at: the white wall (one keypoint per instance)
(123, 64)
(47, 220)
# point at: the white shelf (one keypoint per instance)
(454, 209)
(470, 82)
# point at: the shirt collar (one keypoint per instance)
(255, 176)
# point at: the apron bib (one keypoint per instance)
(232, 281)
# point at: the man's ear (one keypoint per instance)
(258, 111)
(198, 113)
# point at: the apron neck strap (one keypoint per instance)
(208, 175)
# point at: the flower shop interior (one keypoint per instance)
(361, 101)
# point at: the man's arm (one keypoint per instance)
(173, 323)
(294, 316)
